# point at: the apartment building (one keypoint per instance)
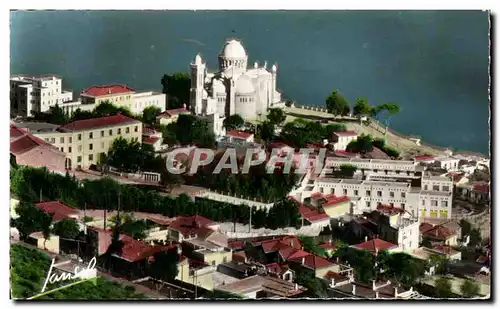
(29, 94)
(83, 141)
(396, 183)
(123, 96)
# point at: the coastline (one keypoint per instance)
(405, 143)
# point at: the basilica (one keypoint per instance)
(234, 88)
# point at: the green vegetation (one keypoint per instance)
(66, 228)
(149, 114)
(131, 156)
(28, 182)
(346, 171)
(337, 104)
(276, 116)
(361, 107)
(233, 122)
(334, 127)
(442, 288)
(29, 268)
(265, 131)
(176, 87)
(363, 144)
(470, 289)
(31, 219)
(380, 144)
(311, 246)
(301, 132)
(189, 130)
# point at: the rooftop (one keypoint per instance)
(100, 122)
(239, 134)
(58, 210)
(346, 133)
(374, 245)
(173, 112)
(97, 91)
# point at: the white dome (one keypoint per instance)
(244, 86)
(233, 49)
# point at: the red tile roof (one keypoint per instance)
(332, 200)
(481, 187)
(135, 250)
(425, 158)
(444, 249)
(16, 132)
(343, 153)
(387, 209)
(271, 245)
(94, 123)
(328, 246)
(190, 225)
(97, 91)
(172, 112)
(277, 268)
(58, 210)
(150, 140)
(336, 276)
(438, 232)
(236, 244)
(346, 133)
(375, 245)
(239, 134)
(22, 141)
(313, 261)
(312, 214)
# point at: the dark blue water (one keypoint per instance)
(434, 64)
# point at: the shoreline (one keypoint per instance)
(394, 138)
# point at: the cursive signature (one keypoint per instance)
(85, 273)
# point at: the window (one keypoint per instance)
(332, 190)
(119, 131)
(434, 203)
(345, 191)
(91, 135)
(79, 137)
(213, 263)
(368, 193)
(403, 194)
(446, 188)
(391, 194)
(69, 149)
(379, 193)
(62, 149)
(102, 145)
(356, 192)
(425, 187)
(110, 132)
(79, 148)
(70, 139)
(368, 204)
(320, 190)
(423, 202)
(91, 157)
(444, 203)
(102, 133)
(224, 259)
(61, 140)
(91, 146)
(127, 130)
(435, 188)
(403, 205)
(79, 159)
(53, 140)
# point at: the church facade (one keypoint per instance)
(233, 89)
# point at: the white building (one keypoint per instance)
(30, 94)
(234, 88)
(342, 139)
(448, 163)
(396, 183)
(142, 100)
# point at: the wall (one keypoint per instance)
(215, 258)
(13, 204)
(202, 277)
(338, 210)
(142, 100)
(52, 244)
(211, 195)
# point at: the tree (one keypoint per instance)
(289, 103)
(469, 288)
(440, 263)
(81, 115)
(66, 228)
(164, 266)
(233, 122)
(276, 116)
(310, 246)
(363, 144)
(361, 107)
(106, 108)
(426, 242)
(347, 170)
(31, 219)
(475, 237)
(466, 227)
(176, 86)
(57, 115)
(149, 114)
(405, 269)
(390, 109)
(334, 127)
(442, 288)
(337, 104)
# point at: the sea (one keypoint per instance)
(434, 64)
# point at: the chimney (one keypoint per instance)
(395, 291)
(109, 91)
(330, 241)
(256, 65)
(376, 294)
(291, 243)
(296, 286)
(354, 289)
(303, 260)
(366, 238)
(374, 287)
(265, 64)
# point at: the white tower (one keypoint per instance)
(274, 72)
(198, 68)
(233, 58)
